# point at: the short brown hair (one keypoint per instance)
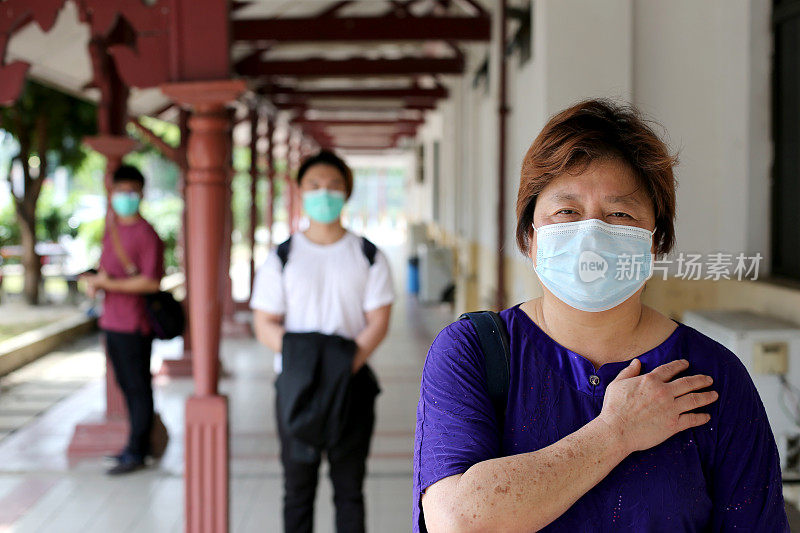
(326, 157)
(592, 130)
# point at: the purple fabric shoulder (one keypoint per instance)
(456, 425)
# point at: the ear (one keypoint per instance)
(654, 246)
(532, 245)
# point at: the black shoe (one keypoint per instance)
(126, 464)
(113, 459)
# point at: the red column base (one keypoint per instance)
(242, 306)
(234, 328)
(177, 368)
(206, 457)
(97, 437)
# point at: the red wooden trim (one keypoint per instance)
(413, 92)
(385, 28)
(357, 66)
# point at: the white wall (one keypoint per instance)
(701, 68)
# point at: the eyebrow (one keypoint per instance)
(626, 199)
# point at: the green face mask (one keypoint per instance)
(125, 204)
(323, 205)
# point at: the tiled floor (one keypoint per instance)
(41, 492)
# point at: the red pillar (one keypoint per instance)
(253, 192)
(289, 182)
(293, 157)
(230, 326)
(271, 180)
(105, 433)
(206, 446)
(182, 367)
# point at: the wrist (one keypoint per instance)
(612, 432)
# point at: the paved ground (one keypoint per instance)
(17, 317)
(41, 491)
(30, 391)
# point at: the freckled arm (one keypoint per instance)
(524, 492)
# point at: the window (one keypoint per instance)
(786, 135)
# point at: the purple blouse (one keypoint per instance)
(721, 476)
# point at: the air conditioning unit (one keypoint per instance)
(435, 272)
(770, 349)
(417, 234)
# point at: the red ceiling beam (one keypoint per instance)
(357, 66)
(238, 5)
(385, 28)
(348, 122)
(355, 139)
(413, 92)
(304, 106)
(334, 8)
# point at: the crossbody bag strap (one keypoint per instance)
(116, 242)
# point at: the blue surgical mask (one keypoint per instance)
(125, 204)
(592, 265)
(323, 205)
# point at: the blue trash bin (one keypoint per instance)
(413, 275)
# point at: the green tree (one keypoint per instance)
(48, 126)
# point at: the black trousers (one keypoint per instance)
(347, 473)
(130, 357)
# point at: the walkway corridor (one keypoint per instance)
(41, 492)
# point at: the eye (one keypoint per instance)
(620, 214)
(566, 212)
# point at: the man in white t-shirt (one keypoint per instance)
(331, 281)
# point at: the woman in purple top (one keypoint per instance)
(618, 418)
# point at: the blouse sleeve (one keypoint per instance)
(746, 484)
(456, 425)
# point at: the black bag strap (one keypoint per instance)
(283, 251)
(495, 344)
(369, 249)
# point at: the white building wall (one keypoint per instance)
(698, 67)
(702, 70)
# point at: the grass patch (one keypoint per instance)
(12, 330)
(13, 285)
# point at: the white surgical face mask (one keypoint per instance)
(592, 265)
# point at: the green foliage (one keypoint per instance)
(52, 220)
(68, 120)
(165, 216)
(92, 234)
(88, 178)
(9, 229)
(160, 173)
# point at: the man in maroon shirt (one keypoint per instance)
(125, 276)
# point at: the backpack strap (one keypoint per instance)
(283, 251)
(495, 344)
(369, 250)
